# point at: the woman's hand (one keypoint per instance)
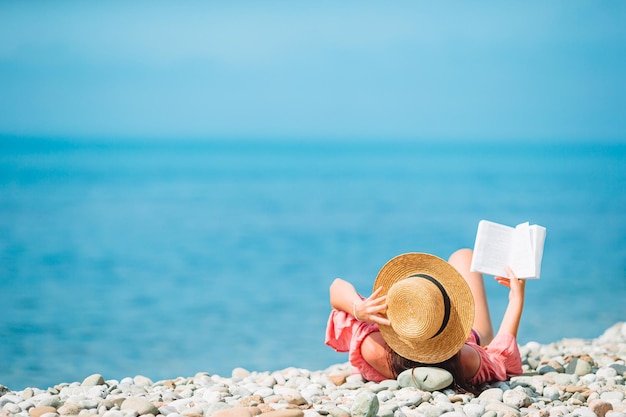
(372, 309)
(515, 285)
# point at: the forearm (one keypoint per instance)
(512, 316)
(343, 295)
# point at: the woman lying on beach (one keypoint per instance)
(427, 313)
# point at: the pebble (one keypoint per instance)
(365, 404)
(39, 411)
(93, 380)
(516, 398)
(428, 379)
(474, 409)
(491, 394)
(140, 405)
(579, 367)
(569, 378)
(600, 408)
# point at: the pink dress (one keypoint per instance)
(498, 360)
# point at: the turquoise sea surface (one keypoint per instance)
(169, 258)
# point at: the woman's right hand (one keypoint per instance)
(372, 309)
(516, 286)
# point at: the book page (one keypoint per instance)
(492, 248)
(521, 258)
(538, 237)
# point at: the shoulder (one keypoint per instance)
(470, 360)
(374, 352)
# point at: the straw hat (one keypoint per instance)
(430, 307)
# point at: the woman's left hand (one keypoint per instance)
(372, 309)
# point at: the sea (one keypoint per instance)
(165, 258)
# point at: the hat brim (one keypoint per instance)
(447, 343)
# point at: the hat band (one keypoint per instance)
(446, 301)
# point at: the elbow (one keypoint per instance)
(336, 285)
(335, 289)
(336, 282)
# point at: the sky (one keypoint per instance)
(355, 70)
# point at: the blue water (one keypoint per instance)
(165, 259)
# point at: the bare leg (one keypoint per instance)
(461, 260)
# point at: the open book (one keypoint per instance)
(498, 246)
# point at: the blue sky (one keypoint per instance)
(391, 70)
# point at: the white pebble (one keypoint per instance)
(474, 410)
(606, 373)
(551, 393)
(588, 379)
(583, 412)
(614, 397)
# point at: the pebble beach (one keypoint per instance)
(571, 377)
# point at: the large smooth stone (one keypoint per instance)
(425, 378)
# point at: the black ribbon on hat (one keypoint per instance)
(446, 301)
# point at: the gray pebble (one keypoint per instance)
(579, 367)
(544, 369)
(620, 368)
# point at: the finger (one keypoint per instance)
(381, 320)
(375, 293)
(378, 309)
(379, 300)
(510, 272)
(504, 281)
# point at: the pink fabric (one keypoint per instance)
(498, 361)
(346, 334)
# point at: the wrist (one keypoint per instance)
(354, 310)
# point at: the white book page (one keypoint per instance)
(522, 258)
(492, 248)
(538, 237)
